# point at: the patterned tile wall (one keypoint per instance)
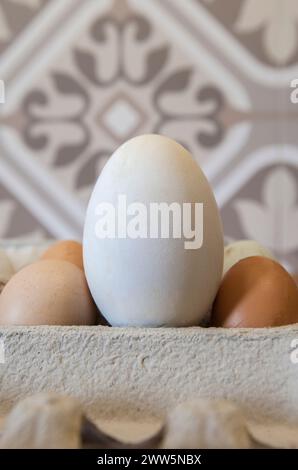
(82, 76)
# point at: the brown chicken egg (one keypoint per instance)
(256, 292)
(295, 276)
(50, 292)
(67, 250)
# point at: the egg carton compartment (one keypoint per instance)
(129, 378)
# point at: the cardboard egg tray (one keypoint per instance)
(135, 375)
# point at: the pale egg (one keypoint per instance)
(141, 271)
(243, 249)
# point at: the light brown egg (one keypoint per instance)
(295, 276)
(256, 292)
(66, 250)
(49, 292)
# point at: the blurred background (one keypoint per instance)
(82, 76)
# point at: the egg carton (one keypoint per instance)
(136, 375)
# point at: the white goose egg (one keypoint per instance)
(145, 264)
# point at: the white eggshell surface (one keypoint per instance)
(153, 281)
